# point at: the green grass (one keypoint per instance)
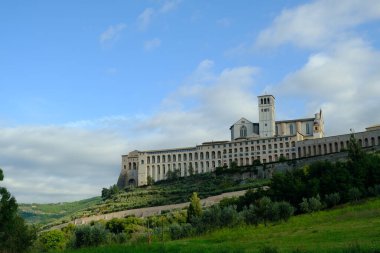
(162, 193)
(351, 228)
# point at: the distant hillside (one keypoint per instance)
(46, 213)
(161, 193)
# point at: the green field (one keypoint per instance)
(162, 193)
(349, 228)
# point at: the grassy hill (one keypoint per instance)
(46, 213)
(349, 228)
(162, 193)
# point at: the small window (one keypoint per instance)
(291, 129)
(307, 128)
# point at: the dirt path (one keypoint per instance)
(149, 211)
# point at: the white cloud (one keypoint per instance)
(224, 22)
(145, 18)
(74, 161)
(344, 82)
(53, 163)
(341, 74)
(112, 33)
(319, 23)
(168, 6)
(152, 44)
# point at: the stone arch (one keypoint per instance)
(132, 182)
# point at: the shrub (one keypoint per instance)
(354, 194)
(304, 205)
(52, 240)
(374, 191)
(195, 208)
(115, 225)
(211, 217)
(315, 204)
(250, 216)
(264, 208)
(225, 202)
(86, 235)
(285, 210)
(175, 231)
(332, 199)
(230, 217)
(310, 205)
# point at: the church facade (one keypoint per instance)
(266, 141)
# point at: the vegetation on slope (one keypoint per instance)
(161, 193)
(45, 213)
(349, 228)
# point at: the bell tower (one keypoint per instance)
(266, 116)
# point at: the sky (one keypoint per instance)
(84, 82)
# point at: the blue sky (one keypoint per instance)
(83, 82)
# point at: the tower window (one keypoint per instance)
(291, 130)
(307, 128)
(243, 131)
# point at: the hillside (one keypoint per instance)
(161, 193)
(348, 228)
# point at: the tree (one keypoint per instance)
(110, 192)
(150, 180)
(191, 169)
(195, 208)
(52, 240)
(355, 152)
(173, 174)
(15, 235)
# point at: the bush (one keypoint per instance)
(86, 235)
(315, 204)
(52, 240)
(211, 217)
(285, 210)
(264, 209)
(304, 205)
(310, 205)
(374, 191)
(332, 199)
(225, 202)
(175, 231)
(195, 208)
(250, 216)
(354, 194)
(115, 225)
(230, 217)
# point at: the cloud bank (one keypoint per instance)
(74, 161)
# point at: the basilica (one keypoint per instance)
(265, 141)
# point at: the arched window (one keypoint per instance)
(243, 131)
